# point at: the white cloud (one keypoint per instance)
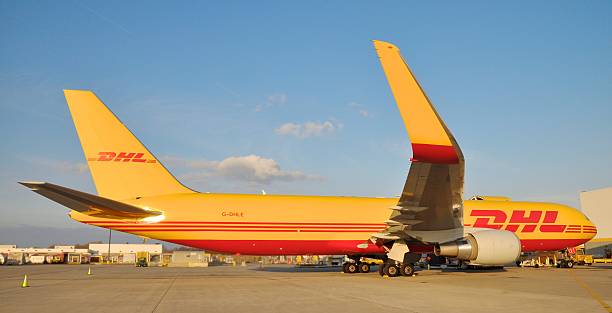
(308, 129)
(360, 109)
(256, 168)
(289, 129)
(250, 168)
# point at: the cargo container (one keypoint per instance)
(37, 259)
(54, 258)
(15, 258)
(189, 259)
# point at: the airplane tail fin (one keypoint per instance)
(120, 165)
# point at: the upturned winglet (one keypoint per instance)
(431, 140)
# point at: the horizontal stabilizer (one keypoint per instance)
(92, 205)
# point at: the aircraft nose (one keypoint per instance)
(589, 228)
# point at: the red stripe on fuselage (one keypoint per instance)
(237, 222)
(247, 230)
(284, 247)
(149, 226)
(272, 247)
(530, 245)
(247, 223)
(331, 247)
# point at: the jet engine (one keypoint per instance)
(484, 247)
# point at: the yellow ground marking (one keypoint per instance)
(591, 292)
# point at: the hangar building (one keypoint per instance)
(597, 205)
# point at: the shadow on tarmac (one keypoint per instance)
(280, 268)
(298, 269)
(483, 270)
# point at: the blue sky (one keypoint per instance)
(293, 95)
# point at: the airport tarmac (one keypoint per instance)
(281, 288)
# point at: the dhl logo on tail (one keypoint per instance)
(121, 157)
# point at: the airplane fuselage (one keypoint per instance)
(294, 225)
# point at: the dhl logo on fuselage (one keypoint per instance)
(121, 157)
(497, 219)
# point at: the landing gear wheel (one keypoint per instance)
(344, 268)
(364, 268)
(352, 268)
(407, 269)
(381, 269)
(570, 264)
(391, 270)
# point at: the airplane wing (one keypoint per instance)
(430, 208)
(92, 205)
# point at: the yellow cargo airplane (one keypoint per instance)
(137, 195)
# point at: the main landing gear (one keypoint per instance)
(388, 268)
(399, 260)
(393, 269)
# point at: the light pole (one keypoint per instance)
(110, 232)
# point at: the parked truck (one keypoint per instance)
(581, 258)
(142, 259)
(571, 256)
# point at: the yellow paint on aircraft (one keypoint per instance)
(360, 217)
(420, 117)
(121, 166)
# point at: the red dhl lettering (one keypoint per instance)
(519, 221)
(121, 157)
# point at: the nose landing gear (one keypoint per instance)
(350, 268)
(364, 268)
(358, 264)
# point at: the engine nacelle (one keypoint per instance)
(484, 247)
